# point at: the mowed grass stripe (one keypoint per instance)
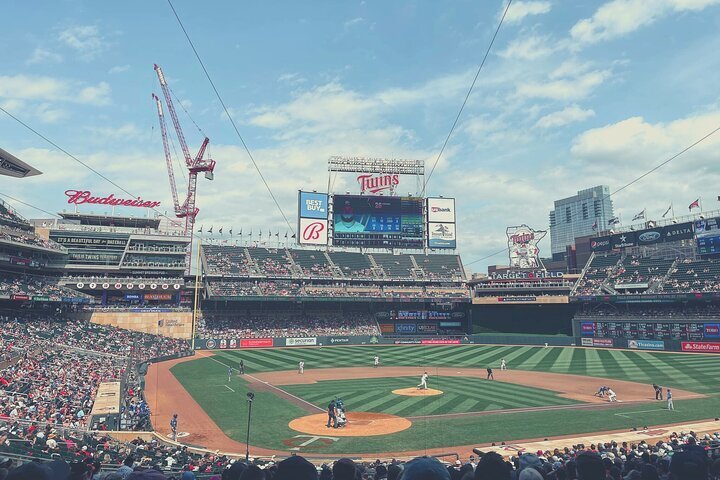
(536, 360)
(702, 380)
(593, 364)
(508, 393)
(656, 374)
(564, 361)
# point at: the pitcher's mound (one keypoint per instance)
(360, 424)
(414, 392)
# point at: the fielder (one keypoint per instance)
(230, 370)
(173, 426)
(669, 400)
(423, 382)
(376, 361)
(611, 395)
(503, 365)
(301, 367)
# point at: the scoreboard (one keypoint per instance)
(378, 222)
(709, 244)
(651, 330)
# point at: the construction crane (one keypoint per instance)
(187, 208)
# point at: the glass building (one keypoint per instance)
(575, 216)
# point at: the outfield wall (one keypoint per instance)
(169, 323)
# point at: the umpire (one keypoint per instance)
(658, 391)
(332, 417)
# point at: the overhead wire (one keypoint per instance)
(632, 182)
(467, 96)
(230, 118)
(28, 204)
(84, 164)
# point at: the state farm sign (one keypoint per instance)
(313, 232)
(79, 197)
(370, 183)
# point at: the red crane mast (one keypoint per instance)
(187, 208)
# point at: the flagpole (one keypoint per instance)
(672, 208)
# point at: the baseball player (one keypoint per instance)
(611, 395)
(601, 392)
(490, 375)
(423, 382)
(301, 367)
(376, 361)
(230, 374)
(241, 367)
(503, 365)
(332, 415)
(670, 400)
(173, 426)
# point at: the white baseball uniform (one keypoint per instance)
(376, 361)
(611, 395)
(301, 367)
(503, 365)
(423, 382)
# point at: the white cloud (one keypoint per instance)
(119, 69)
(620, 17)
(519, 10)
(26, 87)
(291, 78)
(567, 115)
(530, 48)
(564, 89)
(84, 39)
(42, 56)
(353, 22)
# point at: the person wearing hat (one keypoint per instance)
(344, 469)
(296, 468)
(424, 468)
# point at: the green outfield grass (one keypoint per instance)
(205, 379)
(460, 395)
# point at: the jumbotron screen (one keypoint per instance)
(378, 222)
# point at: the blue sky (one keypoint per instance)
(574, 93)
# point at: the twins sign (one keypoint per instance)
(522, 246)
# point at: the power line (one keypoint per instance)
(227, 112)
(28, 205)
(467, 96)
(96, 172)
(652, 170)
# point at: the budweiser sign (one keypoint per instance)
(522, 246)
(377, 183)
(79, 197)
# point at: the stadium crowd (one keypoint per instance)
(31, 285)
(81, 455)
(53, 367)
(256, 325)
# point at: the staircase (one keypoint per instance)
(376, 269)
(252, 266)
(295, 269)
(337, 271)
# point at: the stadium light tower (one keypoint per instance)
(187, 208)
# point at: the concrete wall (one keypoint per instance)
(169, 324)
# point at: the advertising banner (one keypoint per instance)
(387, 328)
(427, 327)
(438, 341)
(132, 296)
(707, 347)
(407, 342)
(313, 205)
(300, 342)
(600, 244)
(712, 330)
(623, 240)
(649, 237)
(646, 344)
(518, 299)
(586, 342)
(256, 342)
(19, 297)
(339, 340)
(442, 235)
(158, 296)
(522, 246)
(441, 210)
(313, 232)
(233, 343)
(681, 231)
(40, 298)
(223, 343)
(602, 342)
(405, 328)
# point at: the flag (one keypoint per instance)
(695, 204)
(210, 230)
(667, 211)
(201, 227)
(278, 234)
(639, 216)
(614, 221)
(231, 231)
(293, 236)
(269, 233)
(594, 225)
(220, 231)
(261, 233)
(250, 234)
(285, 233)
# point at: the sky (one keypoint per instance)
(573, 94)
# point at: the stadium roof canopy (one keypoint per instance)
(12, 166)
(111, 220)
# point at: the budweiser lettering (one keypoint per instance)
(78, 197)
(372, 184)
(522, 238)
